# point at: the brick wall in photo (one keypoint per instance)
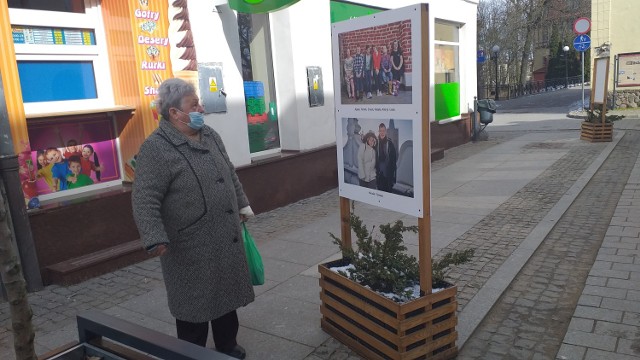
(379, 36)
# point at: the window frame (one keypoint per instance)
(98, 54)
(270, 85)
(459, 67)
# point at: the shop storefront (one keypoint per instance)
(80, 77)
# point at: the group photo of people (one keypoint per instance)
(373, 64)
(378, 154)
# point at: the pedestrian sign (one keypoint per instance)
(481, 57)
(582, 42)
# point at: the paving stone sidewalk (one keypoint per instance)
(532, 316)
(55, 307)
(606, 321)
(495, 237)
(499, 234)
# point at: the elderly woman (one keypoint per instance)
(188, 205)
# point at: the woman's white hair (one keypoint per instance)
(170, 95)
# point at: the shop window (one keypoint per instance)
(74, 6)
(63, 68)
(71, 155)
(447, 71)
(57, 80)
(68, 44)
(260, 94)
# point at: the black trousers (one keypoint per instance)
(224, 329)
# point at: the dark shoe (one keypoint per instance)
(237, 352)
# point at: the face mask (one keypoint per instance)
(196, 120)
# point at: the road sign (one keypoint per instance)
(481, 57)
(582, 25)
(582, 42)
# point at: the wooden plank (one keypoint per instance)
(345, 222)
(597, 131)
(443, 341)
(424, 223)
(428, 316)
(359, 303)
(596, 125)
(429, 331)
(415, 304)
(359, 289)
(359, 333)
(350, 342)
(594, 138)
(430, 346)
(429, 300)
(363, 322)
(58, 350)
(445, 355)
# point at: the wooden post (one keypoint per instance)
(424, 223)
(345, 222)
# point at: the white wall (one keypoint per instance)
(462, 12)
(301, 36)
(216, 39)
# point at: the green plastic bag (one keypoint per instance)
(256, 269)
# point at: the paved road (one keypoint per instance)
(558, 101)
(539, 112)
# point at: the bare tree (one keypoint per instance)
(516, 25)
(15, 286)
(245, 30)
(530, 14)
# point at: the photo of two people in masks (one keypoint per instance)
(378, 154)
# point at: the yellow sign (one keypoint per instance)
(213, 85)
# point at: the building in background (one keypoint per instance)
(80, 78)
(614, 29)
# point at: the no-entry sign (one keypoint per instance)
(582, 25)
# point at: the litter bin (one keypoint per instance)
(486, 108)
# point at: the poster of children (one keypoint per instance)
(72, 155)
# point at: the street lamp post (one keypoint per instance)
(495, 49)
(566, 67)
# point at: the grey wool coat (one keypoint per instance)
(187, 195)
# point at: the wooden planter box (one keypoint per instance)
(596, 132)
(379, 328)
